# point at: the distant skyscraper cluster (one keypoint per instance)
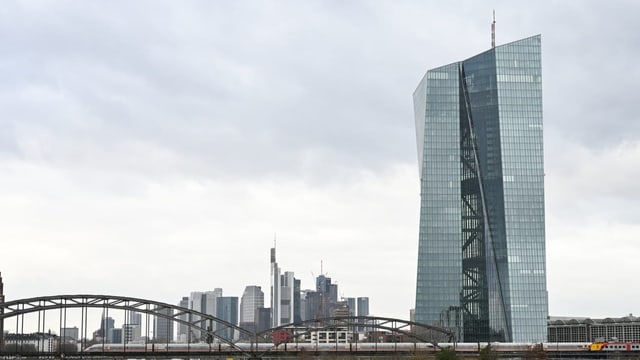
(288, 304)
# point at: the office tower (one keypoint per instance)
(363, 306)
(263, 319)
(210, 303)
(351, 302)
(206, 303)
(363, 310)
(285, 295)
(287, 287)
(135, 318)
(328, 296)
(163, 327)
(252, 299)
(275, 290)
(182, 335)
(196, 303)
(114, 336)
(313, 305)
(481, 256)
(227, 310)
(297, 301)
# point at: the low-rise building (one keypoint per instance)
(583, 329)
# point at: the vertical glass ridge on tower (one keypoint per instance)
(481, 255)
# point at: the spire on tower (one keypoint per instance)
(493, 30)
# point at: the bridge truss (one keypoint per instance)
(401, 329)
(208, 326)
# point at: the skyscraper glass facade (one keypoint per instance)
(481, 256)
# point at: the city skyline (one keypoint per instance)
(150, 145)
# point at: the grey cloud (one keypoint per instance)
(123, 95)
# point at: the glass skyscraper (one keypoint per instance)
(481, 256)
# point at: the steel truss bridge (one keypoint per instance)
(250, 345)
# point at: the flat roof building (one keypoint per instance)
(481, 256)
(581, 329)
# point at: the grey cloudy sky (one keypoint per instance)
(151, 149)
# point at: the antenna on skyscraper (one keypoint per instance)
(493, 30)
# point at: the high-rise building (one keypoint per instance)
(227, 310)
(363, 310)
(351, 302)
(206, 303)
(163, 327)
(328, 296)
(297, 301)
(183, 329)
(363, 306)
(275, 290)
(211, 303)
(197, 303)
(263, 319)
(313, 305)
(135, 318)
(481, 257)
(252, 299)
(285, 295)
(114, 336)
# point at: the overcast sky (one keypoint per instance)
(151, 149)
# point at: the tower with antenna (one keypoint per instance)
(275, 287)
(493, 30)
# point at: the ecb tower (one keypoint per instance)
(481, 254)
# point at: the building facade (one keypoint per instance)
(363, 306)
(163, 327)
(131, 333)
(352, 306)
(275, 290)
(481, 256)
(227, 310)
(285, 295)
(568, 329)
(183, 330)
(363, 310)
(252, 300)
